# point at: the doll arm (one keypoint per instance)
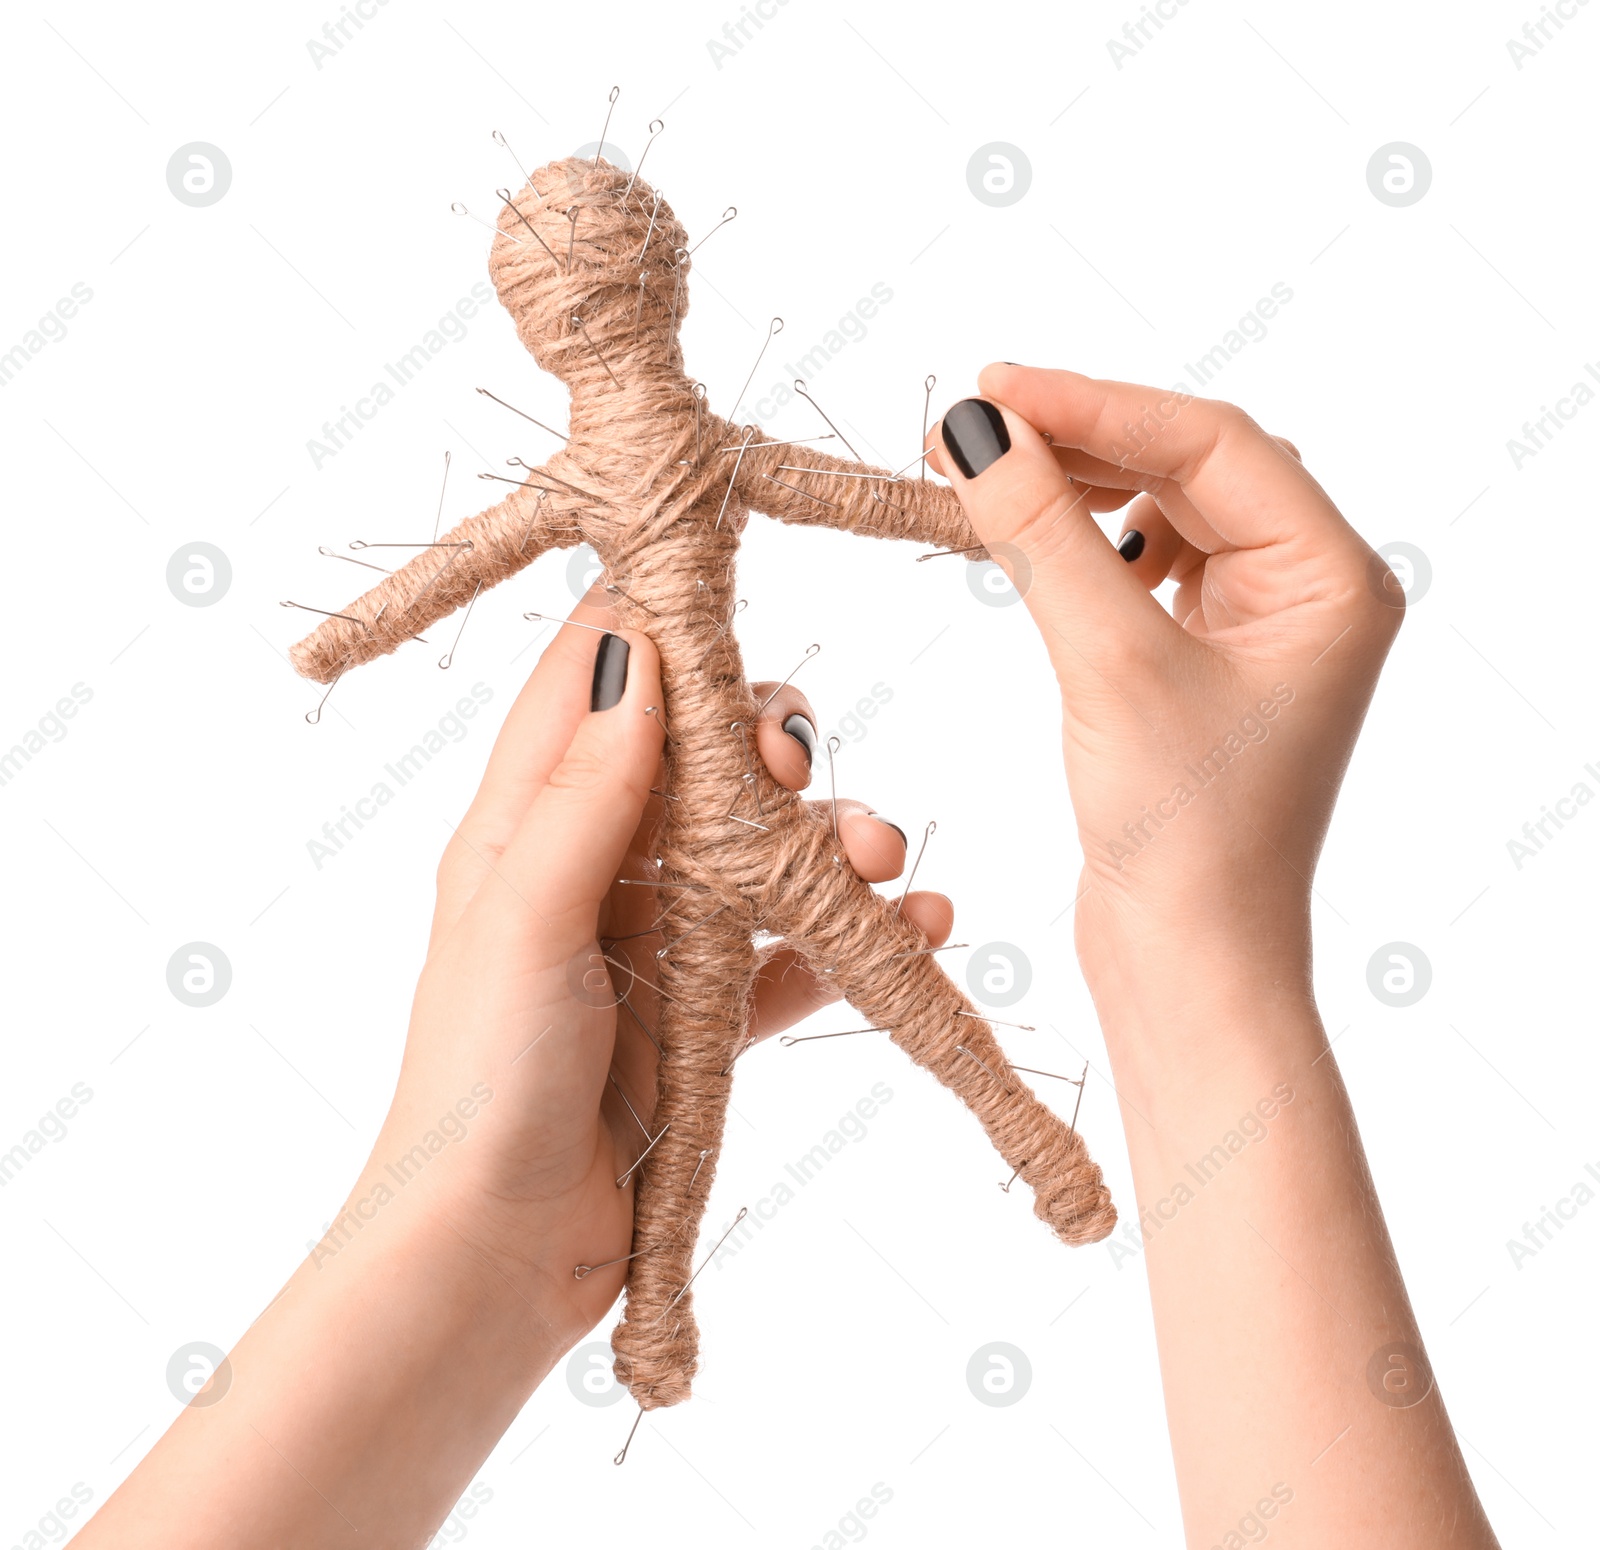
(836, 496)
(483, 550)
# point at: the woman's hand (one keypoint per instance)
(541, 965)
(1204, 748)
(358, 1406)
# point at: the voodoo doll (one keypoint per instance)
(592, 264)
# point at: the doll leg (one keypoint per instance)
(705, 977)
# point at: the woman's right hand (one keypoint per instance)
(1204, 748)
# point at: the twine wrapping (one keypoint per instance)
(643, 480)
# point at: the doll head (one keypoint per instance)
(627, 280)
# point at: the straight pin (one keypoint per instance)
(800, 388)
(629, 1443)
(579, 1272)
(499, 231)
(333, 554)
(811, 651)
(500, 140)
(315, 716)
(985, 1064)
(450, 655)
(326, 614)
(650, 229)
(797, 442)
(806, 1038)
(622, 1182)
(733, 477)
(1025, 1027)
(774, 328)
(727, 215)
(655, 126)
(505, 197)
(611, 102)
(577, 323)
(807, 493)
(528, 417)
(932, 825)
(744, 1211)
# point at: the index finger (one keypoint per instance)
(1238, 479)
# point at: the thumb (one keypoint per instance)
(1037, 525)
(566, 851)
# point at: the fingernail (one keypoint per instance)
(975, 435)
(803, 733)
(610, 672)
(896, 827)
(1131, 545)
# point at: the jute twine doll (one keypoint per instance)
(593, 266)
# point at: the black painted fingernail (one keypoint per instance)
(975, 435)
(1131, 545)
(610, 672)
(879, 818)
(803, 733)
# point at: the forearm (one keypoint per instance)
(361, 1402)
(1296, 1392)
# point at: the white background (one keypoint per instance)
(1167, 197)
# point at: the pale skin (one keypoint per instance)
(364, 1398)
